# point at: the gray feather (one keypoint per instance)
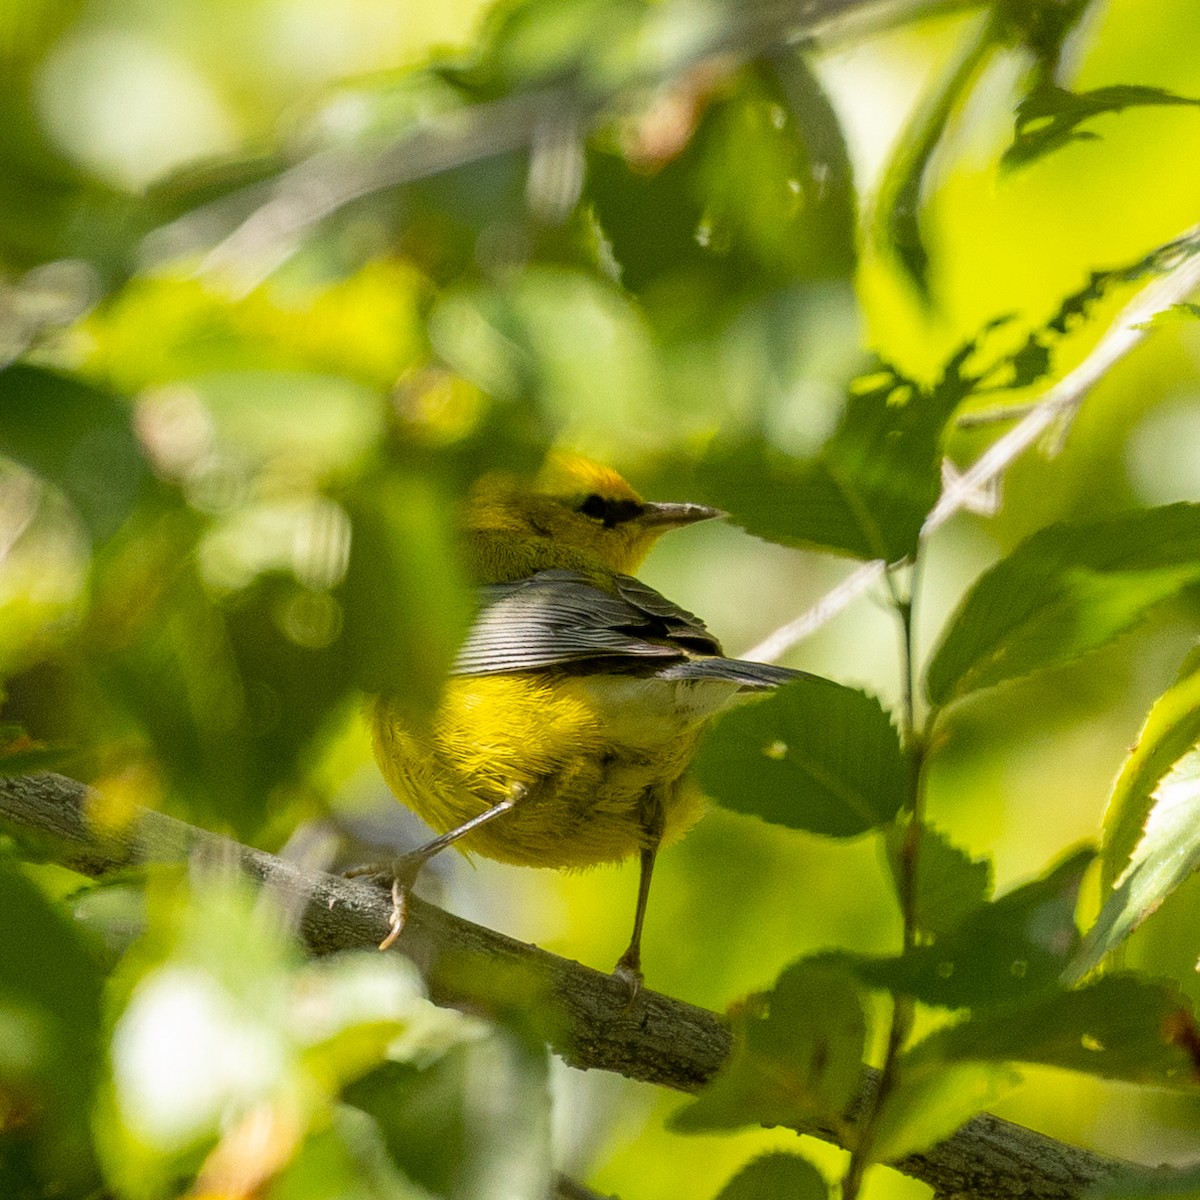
(562, 620)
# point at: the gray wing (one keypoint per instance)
(560, 619)
(750, 675)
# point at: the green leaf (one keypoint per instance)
(776, 1174)
(814, 755)
(345, 1156)
(899, 197)
(1005, 949)
(1175, 314)
(1066, 590)
(797, 1057)
(1171, 729)
(1167, 855)
(1119, 1027)
(689, 236)
(1034, 359)
(542, 41)
(422, 1116)
(1049, 117)
(932, 1101)
(869, 491)
(406, 601)
(78, 438)
(800, 504)
(950, 883)
(50, 1025)
(827, 229)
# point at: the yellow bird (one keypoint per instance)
(575, 705)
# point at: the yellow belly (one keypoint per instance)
(592, 753)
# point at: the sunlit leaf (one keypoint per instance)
(1066, 590)
(360, 1008)
(1049, 118)
(271, 1039)
(1171, 729)
(814, 755)
(1034, 359)
(797, 1057)
(900, 191)
(1176, 314)
(363, 330)
(1168, 853)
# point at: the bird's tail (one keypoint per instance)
(731, 670)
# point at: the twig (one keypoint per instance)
(839, 597)
(1058, 404)
(662, 1040)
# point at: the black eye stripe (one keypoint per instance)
(611, 512)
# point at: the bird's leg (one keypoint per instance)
(403, 871)
(629, 965)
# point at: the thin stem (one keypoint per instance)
(902, 606)
(903, 1008)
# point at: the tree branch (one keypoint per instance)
(661, 1040)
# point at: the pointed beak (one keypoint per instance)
(675, 516)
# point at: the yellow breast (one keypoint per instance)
(591, 751)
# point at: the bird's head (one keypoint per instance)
(575, 513)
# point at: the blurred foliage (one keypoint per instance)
(278, 280)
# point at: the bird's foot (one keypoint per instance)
(629, 971)
(400, 874)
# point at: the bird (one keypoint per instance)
(576, 703)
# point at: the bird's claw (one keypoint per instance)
(629, 972)
(399, 913)
(400, 874)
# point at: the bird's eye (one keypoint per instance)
(611, 512)
(595, 506)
